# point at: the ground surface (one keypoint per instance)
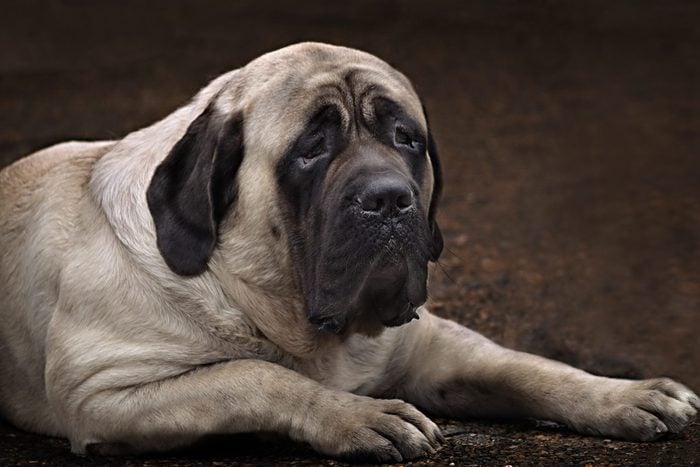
(569, 133)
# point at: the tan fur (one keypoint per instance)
(102, 343)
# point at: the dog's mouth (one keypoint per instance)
(363, 273)
(387, 293)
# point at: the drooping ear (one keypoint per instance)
(435, 198)
(193, 188)
(438, 244)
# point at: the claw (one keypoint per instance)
(440, 437)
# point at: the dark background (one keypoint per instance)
(569, 134)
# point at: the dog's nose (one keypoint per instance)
(387, 196)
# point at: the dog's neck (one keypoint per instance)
(257, 278)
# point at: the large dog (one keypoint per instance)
(257, 261)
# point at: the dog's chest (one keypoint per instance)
(360, 364)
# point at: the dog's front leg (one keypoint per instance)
(456, 372)
(249, 396)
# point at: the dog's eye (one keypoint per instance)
(403, 138)
(318, 149)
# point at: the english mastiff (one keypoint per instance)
(257, 262)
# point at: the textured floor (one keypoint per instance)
(570, 137)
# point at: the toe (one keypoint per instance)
(673, 413)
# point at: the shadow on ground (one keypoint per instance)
(569, 133)
(468, 443)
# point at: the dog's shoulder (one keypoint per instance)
(61, 161)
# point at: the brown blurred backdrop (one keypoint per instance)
(568, 131)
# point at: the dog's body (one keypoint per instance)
(251, 263)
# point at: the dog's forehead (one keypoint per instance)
(282, 89)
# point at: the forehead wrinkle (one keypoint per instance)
(332, 93)
(414, 112)
(282, 102)
(370, 82)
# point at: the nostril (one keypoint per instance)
(405, 200)
(371, 203)
(387, 196)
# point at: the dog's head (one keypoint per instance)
(329, 148)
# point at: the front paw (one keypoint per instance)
(356, 427)
(641, 410)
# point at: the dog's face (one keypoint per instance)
(350, 172)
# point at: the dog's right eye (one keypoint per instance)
(317, 149)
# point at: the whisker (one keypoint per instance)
(446, 273)
(453, 253)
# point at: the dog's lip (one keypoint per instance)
(327, 323)
(408, 315)
(390, 274)
(333, 325)
(387, 293)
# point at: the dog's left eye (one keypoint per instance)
(403, 138)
